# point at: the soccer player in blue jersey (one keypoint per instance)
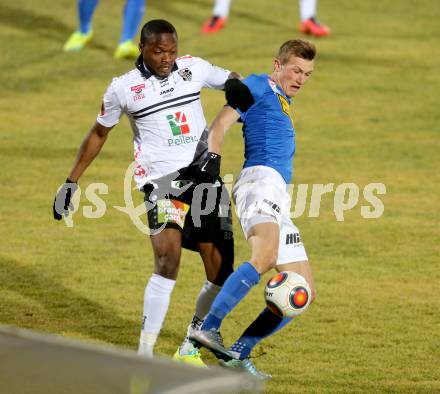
(134, 11)
(260, 194)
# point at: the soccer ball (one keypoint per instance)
(287, 294)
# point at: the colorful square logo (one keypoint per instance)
(178, 123)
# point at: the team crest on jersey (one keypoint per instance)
(284, 104)
(186, 74)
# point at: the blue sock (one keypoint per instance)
(86, 9)
(133, 13)
(233, 291)
(263, 326)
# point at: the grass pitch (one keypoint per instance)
(370, 113)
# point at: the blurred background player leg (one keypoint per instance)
(309, 24)
(134, 11)
(78, 39)
(219, 17)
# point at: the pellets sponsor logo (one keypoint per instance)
(178, 123)
(180, 130)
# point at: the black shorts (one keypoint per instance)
(201, 211)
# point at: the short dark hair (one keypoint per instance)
(299, 48)
(154, 27)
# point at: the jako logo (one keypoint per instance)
(167, 91)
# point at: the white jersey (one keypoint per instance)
(166, 115)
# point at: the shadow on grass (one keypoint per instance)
(42, 25)
(66, 310)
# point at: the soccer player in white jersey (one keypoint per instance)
(307, 10)
(260, 195)
(161, 98)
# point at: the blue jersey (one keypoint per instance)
(268, 132)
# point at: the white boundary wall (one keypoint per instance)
(34, 363)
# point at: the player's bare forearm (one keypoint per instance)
(89, 149)
(222, 123)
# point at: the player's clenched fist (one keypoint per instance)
(62, 203)
(210, 168)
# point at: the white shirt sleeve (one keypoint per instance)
(212, 76)
(111, 107)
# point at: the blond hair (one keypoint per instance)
(299, 48)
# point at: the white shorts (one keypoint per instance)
(260, 196)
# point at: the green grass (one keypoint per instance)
(369, 114)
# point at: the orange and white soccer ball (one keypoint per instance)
(287, 294)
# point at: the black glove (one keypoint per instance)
(209, 170)
(62, 204)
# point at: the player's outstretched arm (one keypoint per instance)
(89, 149)
(210, 169)
(221, 124)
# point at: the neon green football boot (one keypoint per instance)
(189, 354)
(126, 50)
(77, 41)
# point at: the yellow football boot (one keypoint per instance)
(126, 50)
(77, 41)
(191, 355)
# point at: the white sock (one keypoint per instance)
(221, 8)
(156, 300)
(307, 9)
(146, 344)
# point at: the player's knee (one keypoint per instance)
(226, 269)
(265, 262)
(224, 261)
(166, 262)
